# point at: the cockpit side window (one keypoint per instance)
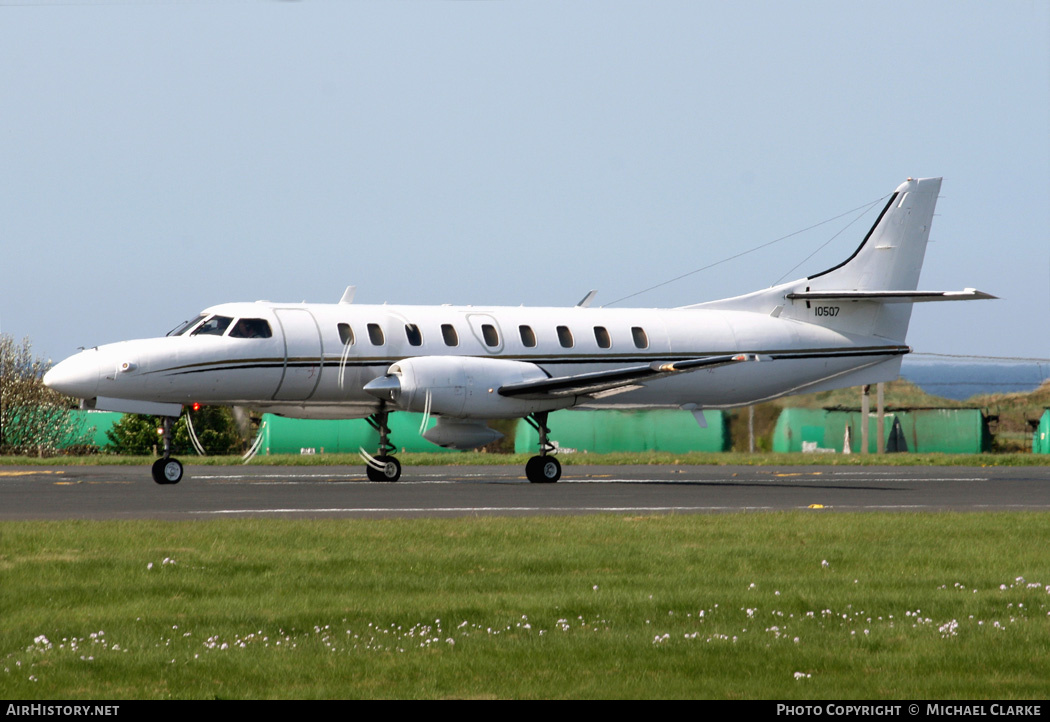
(251, 328)
(214, 326)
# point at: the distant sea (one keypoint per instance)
(963, 379)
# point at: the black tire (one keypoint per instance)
(391, 470)
(543, 470)
(167, 471)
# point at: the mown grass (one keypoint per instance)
(786, 605)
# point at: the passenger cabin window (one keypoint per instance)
(601, 335)
(528, 336)
(490, 334)
(565, 336)
(375, 334)
(448, 333)
(640, 339)
(214, 326)
(251, 328)
(415, 338)
(346, 334)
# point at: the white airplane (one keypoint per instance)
(467, 365)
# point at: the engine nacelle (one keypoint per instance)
(462, 387)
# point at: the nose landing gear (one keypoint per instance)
(167, 470)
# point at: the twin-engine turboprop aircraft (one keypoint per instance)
(468, 365)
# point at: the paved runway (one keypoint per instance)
(223, 492)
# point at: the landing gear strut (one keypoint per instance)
(382, 466)
(542, 469)
(167, 470)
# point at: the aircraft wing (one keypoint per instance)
(606, 383)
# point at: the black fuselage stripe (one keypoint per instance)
(781, 354)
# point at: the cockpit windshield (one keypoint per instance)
(185, 326)
(213, 325)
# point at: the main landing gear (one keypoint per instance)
(382, 466)
(167, 470)
(542, 469)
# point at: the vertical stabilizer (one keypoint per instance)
(870, 293)
(890, 257)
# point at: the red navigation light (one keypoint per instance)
(196, 406)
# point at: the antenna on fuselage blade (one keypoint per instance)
(586, 300)
(348, 294)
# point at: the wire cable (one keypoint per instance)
(865, 208)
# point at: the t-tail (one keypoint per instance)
(870, 293)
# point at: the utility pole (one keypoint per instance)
(865, 408)
(880, 422)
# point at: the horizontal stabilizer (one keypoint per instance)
(969, 294)
(606, 383)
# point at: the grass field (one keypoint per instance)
(788, 605)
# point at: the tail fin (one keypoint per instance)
(870, 293)
(890, 257)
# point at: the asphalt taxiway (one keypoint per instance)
(218, 492)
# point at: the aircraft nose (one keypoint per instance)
(77, 376)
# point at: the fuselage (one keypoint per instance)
(312, 360)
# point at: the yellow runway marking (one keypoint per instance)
(29, 473)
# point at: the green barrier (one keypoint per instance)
(603, 432)
(1041, 438)
(949, 431)
(296, 436)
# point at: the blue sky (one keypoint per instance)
(160, 157)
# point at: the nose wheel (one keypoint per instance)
(167, 470)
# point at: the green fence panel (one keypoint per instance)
(950, 431)
(1041, 438)
(603, 432)
(296, 436)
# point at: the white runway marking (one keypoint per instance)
(595, 509)
(501, 509)
(290, 479)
